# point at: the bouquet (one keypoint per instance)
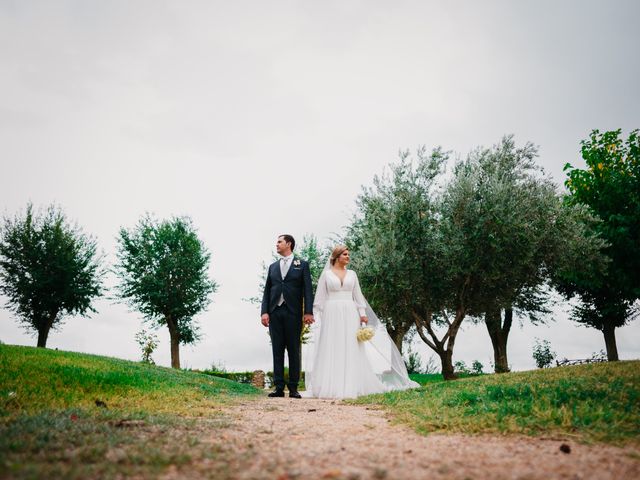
(364, 334)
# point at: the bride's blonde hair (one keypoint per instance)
(339, 250)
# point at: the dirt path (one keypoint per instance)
(306, 439)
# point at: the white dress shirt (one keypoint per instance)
(285, 264)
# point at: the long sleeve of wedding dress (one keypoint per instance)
(322, 292)
(358, 297)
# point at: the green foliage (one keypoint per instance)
(515, 231)
(477, 368)
(241, 377)
(219, 367)
(412, 361)
(315, 254)
(515, 228)
(461, 367)
(542, 353)
(515, 234)
(48, 269)
(394, 240)
(589, 402)
(610, 187)
(487, 239)
(463, 370)
(148, 342)
(162, 267)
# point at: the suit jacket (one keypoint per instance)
(295, 287)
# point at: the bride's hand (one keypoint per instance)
(364, 320)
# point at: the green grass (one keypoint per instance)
(157, 418)
(597, 402)
(425, 378)
(34, 379)
(149, 417)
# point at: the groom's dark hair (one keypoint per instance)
(289, 239)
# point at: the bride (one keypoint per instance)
(337, 364)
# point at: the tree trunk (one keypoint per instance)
(443, 347)
(446, 358)
(610, 342)
(397, 335)
(175, 343)
(43, 331)
(499, 334)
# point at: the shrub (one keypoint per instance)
(477, 367)
(412, 362)
(542, 353)
(148, 343)
(460, 367)
(240, 377)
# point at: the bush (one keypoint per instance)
(460, 367)
(542, 353)
(218, 367)
(240, 377)
(412, 362)
(148, 343)
(477, 367)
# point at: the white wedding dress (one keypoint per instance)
(336, 364)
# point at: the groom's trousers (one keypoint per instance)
(285, 329)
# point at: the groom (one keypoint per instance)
(287, 292)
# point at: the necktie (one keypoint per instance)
(284, 268)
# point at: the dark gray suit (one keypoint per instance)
(285, 321)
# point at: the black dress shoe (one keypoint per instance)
(276, 393)
(294, 394)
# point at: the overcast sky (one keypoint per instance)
(258, 118)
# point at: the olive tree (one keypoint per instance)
(49, 269)
(391, 238)
(519, 233)
(163, 272)
(434, 249)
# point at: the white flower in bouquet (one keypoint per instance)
(364, 334)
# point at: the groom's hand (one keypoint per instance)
(265, 319)
(308, 319)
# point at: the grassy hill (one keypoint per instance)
(598, 402)
(72, 415)
(33, 380)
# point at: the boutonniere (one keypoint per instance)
(296, 262)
